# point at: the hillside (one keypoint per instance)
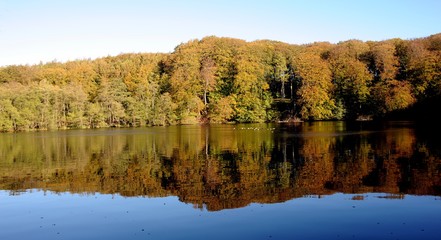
(225, 80)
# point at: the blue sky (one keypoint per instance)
(45, 30)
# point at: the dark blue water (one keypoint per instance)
(39, 215)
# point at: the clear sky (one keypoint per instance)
(45, 30)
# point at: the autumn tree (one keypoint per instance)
(314, 96)
(351, 78)
(389, 63)
(224, 80)
(185, 80)
(208, 70)
(280, 73)
(424, 67)
(251, 98)
(222, 52)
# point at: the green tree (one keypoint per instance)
(9, 116)
(251, 101)
(113, 97)
(164, 111)
(280, 72)
(351, 77)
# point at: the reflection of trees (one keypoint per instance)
(222, 166)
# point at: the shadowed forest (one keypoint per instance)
(220, 80)
(225, 166)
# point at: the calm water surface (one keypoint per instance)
(321, 180)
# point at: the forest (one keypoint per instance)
(221, 80)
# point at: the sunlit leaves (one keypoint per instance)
(224, 80)
(392, 95)
(315, 92)
(221, 111)
(351, 77)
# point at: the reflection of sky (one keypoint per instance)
(38, 215)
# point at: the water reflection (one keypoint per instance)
(227, 166)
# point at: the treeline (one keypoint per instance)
(224, 80)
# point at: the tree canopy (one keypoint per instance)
(224, 80)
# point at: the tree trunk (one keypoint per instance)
(205, 96)
(282, 89)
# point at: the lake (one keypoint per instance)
(318, 180)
